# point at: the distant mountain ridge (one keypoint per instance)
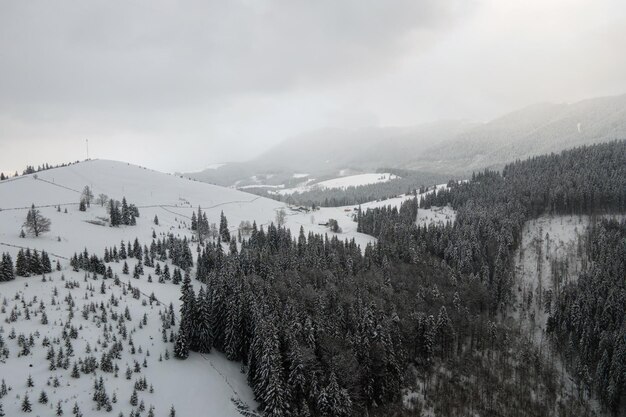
(455, 148)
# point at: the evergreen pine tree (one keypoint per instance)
(125, 212)
(21, 264)
(114, 214)
(43, 398)
(26, 405)
(224, 233)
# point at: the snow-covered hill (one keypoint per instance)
(217, 383)
(173, 199)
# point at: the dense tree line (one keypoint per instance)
(258, 296)
(171, 248)
(588, 317)
(30, 263)
(326, 330)
(492, 208)
(122, 213)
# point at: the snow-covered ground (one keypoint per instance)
(173, 199)
(201, 383)
(300, 188)
(437, 215)
(209, 383)
(245, 187)
(341, 182)
(356, 180)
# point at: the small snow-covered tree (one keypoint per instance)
(26, 406)
(43, 398)
(224, 232)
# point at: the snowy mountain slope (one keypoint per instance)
(551, 254)
(171, 198)
(219, 387)
(215, 380)
(142, 186)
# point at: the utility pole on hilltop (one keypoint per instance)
(87, 142)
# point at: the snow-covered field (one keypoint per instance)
(356, 180)
(437, 215)
(341, 182)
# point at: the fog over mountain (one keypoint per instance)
(455, 148)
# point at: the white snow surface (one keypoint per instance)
(202, 382)
(173, 199)
(437, 215)
(341, 182)
(356, 180)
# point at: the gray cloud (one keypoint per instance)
(174, 85)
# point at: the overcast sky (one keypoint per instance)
(178, 85)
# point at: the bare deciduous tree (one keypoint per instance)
(281, 216)
(36, 223)
(87, 195)
(102, 199)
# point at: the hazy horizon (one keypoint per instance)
(177, 87)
